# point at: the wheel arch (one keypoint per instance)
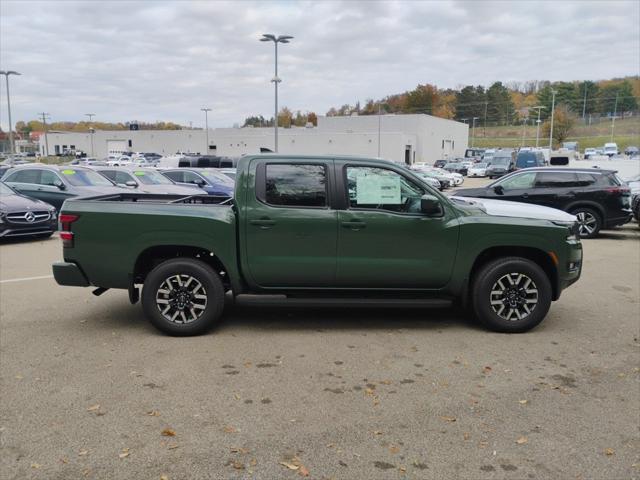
(536, 255)
(149, 258)
(588, 204)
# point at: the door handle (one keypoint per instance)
(525, 195)
(263, 223)
(354, 224)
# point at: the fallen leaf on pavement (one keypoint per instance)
(164, 477)
(403, 469)
(522, 440)
(35, 465)
(239, 450)
(523, 402)
(303, 471)
(93, 408)
(253, 462)
(394, 449)
(238, 465)
(83, 452)
(229, 429)
(168, 432)
(448, 419)
(466, 435)
(377, 432)
(173, 446)
(486, 369)
(125, 453)
(290, 466)
(153, 413)
(609, 451)
(369, 391)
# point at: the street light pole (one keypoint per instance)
(473, 130)
(91, 130)
(6, 76)
(269, 37)
(538, 124)
(379, 126)
(553, 107)
(206, 126)
(613, 120)
(44, 116)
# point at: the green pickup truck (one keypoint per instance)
(320, 230)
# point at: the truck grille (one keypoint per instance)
(28, 218)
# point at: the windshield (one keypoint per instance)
(151, 177)
(5, 190)
(500, 161)
(481, 165)
(217, 177)
(85, 178)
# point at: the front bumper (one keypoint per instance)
(569, 272)
(13, 230)
(69, 274)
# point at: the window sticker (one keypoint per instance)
(378, 189)
(139, 174)
(68, 172)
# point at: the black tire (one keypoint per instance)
(209, 281)
(590, 221)
(497, 270)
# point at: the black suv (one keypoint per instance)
(597, 197)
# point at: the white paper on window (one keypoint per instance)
(378, 189)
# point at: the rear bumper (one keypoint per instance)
(69, 274)
(617, 221)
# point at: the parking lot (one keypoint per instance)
(91, 390)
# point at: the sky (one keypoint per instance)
(164, 61)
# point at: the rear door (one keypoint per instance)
(555, 189)
(290, 228)
(25, 181)
(384, 240)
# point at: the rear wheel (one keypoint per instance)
(183, 297)
(511, 295)
(589, 222)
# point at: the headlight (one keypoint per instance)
(571, 226)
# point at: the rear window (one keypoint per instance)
(526, 160)
(296, 185)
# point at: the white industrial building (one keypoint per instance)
(401, 138)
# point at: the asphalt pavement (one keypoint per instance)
(90, 390)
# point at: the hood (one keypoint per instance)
(219, 189)
(470, 192)
(95, 191)
(19, 203)
(503, 208)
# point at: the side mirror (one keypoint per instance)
(60, 185)
(131, 183)
(199, 183)
(430, 205)
(498, 189)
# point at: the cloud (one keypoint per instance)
(165, 60)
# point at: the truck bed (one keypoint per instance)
(162, 198)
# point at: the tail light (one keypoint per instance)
(618, 190)
(65, 228)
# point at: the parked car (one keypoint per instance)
(632, 151)
(503, 162)
(488, 155)
(329, 230)
(121, 161)
(445, 178)
(530, 158)
(440, 163)
(596, 197)
(611, 149)
(146, 180)
(229, 172)
(21, 216)
(589, 152)
(474, 154)
(455, 167)
(634, 185)
(54, 185)
(478, 170)
(210, 180)
(429, 179)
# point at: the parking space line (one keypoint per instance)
(25, 279)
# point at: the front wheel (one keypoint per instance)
(511, 295)
(183, 297)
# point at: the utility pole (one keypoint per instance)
(538, 124)
(584, 103)
(206, 127)
(379, 126)
(484, 129)
(91, 129)
(553, 107)
(524, 124)
(473, 130)
(613, 120)
(44, 116)
(6, 76)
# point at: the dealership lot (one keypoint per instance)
(89, 386)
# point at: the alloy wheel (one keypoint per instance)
(514, 296)
(181, 299)
(587, 223)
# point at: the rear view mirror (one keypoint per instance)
(430, 205)
(498, 189)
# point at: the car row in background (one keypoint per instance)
(597, 197)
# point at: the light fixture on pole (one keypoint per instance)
(206, 126)
(538, 124)
(473, 130)
(91, 130)
(553, 107)
(269, 37)
(6, 76)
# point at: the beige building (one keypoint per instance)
(401, 138)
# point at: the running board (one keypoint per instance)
(318, 302)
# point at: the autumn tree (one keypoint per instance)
(563, 122)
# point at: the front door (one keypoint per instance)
(384, 240)
(290, 229)
(517, 188)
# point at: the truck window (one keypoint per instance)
(382, 189)
(295, 185)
